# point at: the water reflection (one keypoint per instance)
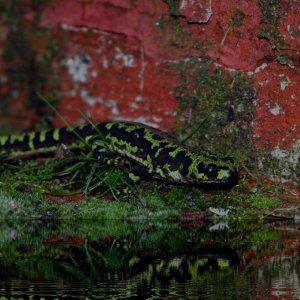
(149, 260)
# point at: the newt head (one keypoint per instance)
(213, 172)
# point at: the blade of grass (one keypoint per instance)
(89, 179)
(89, 258)
(102, 136)
(193, 132)
(82, 139)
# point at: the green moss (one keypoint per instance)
(174, 7)
(236, 24)
(295, 33)
(215, 109)
(263, 202)
(27, 196)
(172, 28)
(174, 197)
(32, 206)
(271, 10)
(238, 20)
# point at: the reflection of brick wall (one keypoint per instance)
(119, 59)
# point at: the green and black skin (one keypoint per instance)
(144, 151)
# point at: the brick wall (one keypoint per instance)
(159, 62)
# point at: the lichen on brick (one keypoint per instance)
(282, 165)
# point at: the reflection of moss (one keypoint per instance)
(28, 51)
(270, 25)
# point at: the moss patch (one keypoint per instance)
(215, 109)
(32, 206)
(174, 7)
(27, 193)
(271, 11)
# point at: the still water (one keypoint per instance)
(149, 260)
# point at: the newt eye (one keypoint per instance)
(211, 171)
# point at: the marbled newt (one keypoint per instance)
(141, 150)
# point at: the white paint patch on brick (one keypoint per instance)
(183, 4)
(104, 63)
(134, 106)
(127, 59)
(72, 93)
(78, 67)
(285, 83)
(170, 113)
(157, 119)
(264, 83)
(139, 98)
(279, 154)
(260, 68)
(113, 105)
(275, 110)
(195, 11)
(94, 73)
(67, 27)
(257, 69)
(90, 100)
(231, 70)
